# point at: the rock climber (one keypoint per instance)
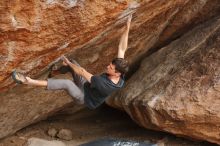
(86, 88)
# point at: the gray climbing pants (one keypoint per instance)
(74, 88)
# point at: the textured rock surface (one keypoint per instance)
(35, 33)
(65, 134)
(52, 132)
(177, 89)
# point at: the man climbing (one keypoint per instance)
(88, 89)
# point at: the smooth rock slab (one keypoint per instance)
(42, 142)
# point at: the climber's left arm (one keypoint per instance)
(124, 39)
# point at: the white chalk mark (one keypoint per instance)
(50, 2)
(63, 3)
(14, 22)
(72, 3)
(130, 10)
(153, 101)
(134, 5)
(63, 46)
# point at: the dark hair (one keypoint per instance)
(121, 65)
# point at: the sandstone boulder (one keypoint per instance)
(177, 89)
(35, 33)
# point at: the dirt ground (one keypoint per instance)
(88, 125)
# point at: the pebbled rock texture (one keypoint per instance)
(177, 89)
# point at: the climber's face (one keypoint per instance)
(112, 71)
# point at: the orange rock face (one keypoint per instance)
(35, 33)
